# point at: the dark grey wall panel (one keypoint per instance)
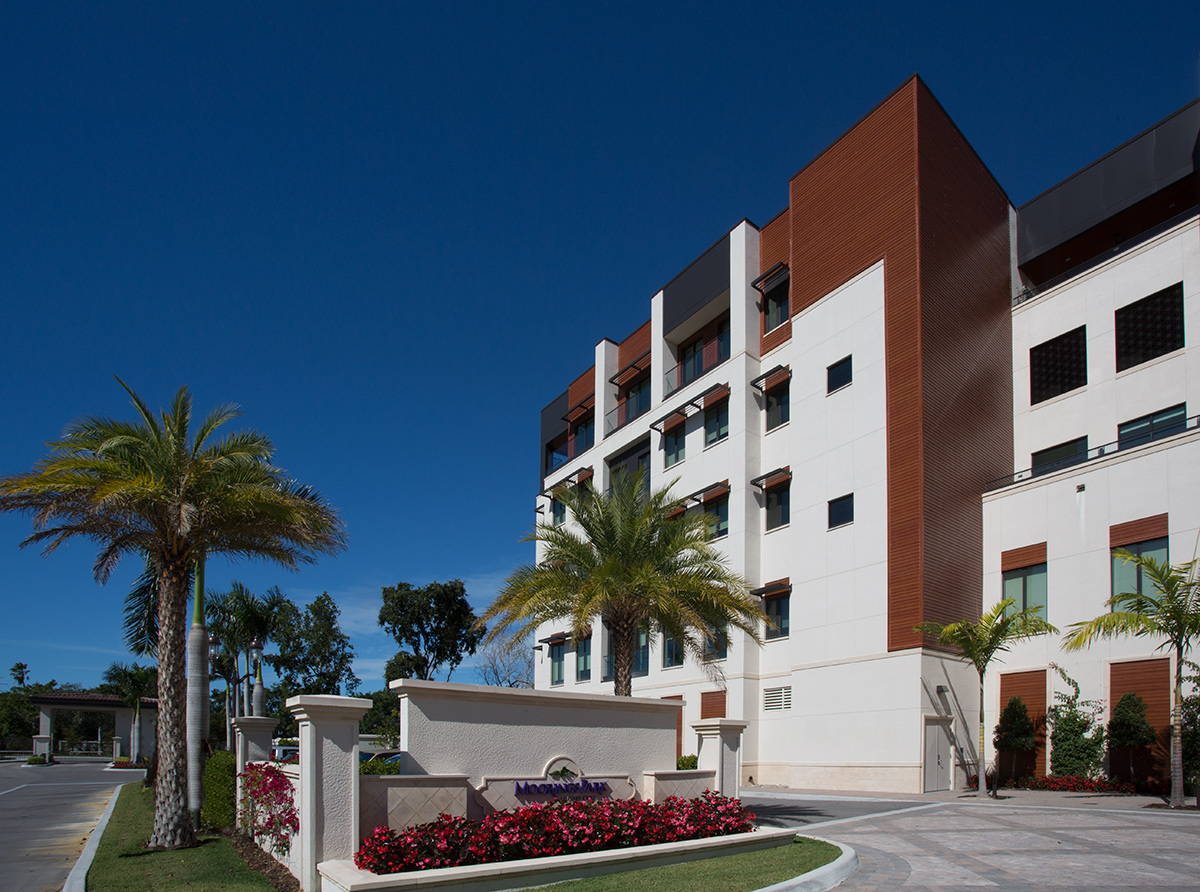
(689, 292)
(553, 424)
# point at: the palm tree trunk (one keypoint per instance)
(246, 688)
(623, 635)
(1177, 734)
(228, 716)
(172, 823)
(135, 745)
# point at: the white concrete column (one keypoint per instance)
(720, 750)
(606, 399)
(116, 742)
(45, 722)
(41, 745)
(329, 798)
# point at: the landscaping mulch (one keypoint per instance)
(260, 862)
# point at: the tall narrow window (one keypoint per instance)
(724, 341)
(778, 610)
(557, 651)
(718, 510)
(839, 374)
(1149, 327)
(1058, 365)
(691, 362)
(841, 511)
(558, 512)
(641, 653)
(715, 648)
(1027, 588)
(778, 406)
(637, 399)
(672, 652)
(584, 435)
(583, 659)
(1152, 427)
(673, 445)
(716, 423)
(775, 307)
(779, 505)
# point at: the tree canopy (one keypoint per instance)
(434, 626)
(315, 655)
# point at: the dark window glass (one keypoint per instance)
(775, 306)
(637, 399)
(1058, 365)
(716, 422)
(1061, 456)
(672, 652)
(715, 650)
(673, 445)
(778, 406)
(691, 362)
(1149, 327)
(585, 435)
(558, 512)
(777, 609)
(1128, 576)
(557, 650)
(634, 459)
(718, 510)
(723, 342)
(1027, 587)
(841, 511)
(778, 506)
(839, 374)
(641, 654)
(556, 452)
(583, 659)
(1152, 427)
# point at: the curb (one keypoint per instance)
(819, 880)
(77, 879)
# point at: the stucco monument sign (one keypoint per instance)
(561, 779)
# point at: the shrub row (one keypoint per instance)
(1061, 783)
(560, 827)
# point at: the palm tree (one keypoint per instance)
(625, 558)
(151, 488)
(979, 642)
(239, 618)
(20, 673)
(132, 684)
(1172, 613)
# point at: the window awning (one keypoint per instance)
(774, 589)
(773, 478)
(772, 379)
(632, 371)
(775, 276)
(715, 491)
(671, 420)
(581, 409)
(711, 397)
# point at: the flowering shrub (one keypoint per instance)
(36, 760)
(1071, 783)
(559, 827)
(268, 806)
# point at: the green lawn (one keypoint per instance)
(731, 873)
(123, 864)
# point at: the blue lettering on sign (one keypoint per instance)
(538, 789)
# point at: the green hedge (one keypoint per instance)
(686, 763)
(220, 791)
(378, 766)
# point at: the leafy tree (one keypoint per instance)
(315, 655)
(1076, 734)
(152, 488)
(1190, 712)
(626, 558)
(1172, 613)
(1015, 732)
(20, 673)
(1129, 729)
(434, 626)
(132, 683)
(507, 663)
(980, 641)
(383, 718)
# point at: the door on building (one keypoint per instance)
(938, 754)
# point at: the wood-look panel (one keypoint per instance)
(634, 346)
(1026, 556)
(678, 726)
(965, 362)
(776, 336)
(1031, 688)
(1139, 530)
(712, 704)
(581, 388)
(1150, 680)
(774, 242)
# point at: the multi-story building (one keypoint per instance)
(840, 388)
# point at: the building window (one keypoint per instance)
(691, 362)
(716, 423)
(556, 452)
(777, 698)
(641, 654)
(635, 459)
(775, 307)
(778, 610)
(673, 445)
(779, 506)
(1061, 456)
(778, 406)
(637, 399)
(1128, 576)
(715, 649)
(584, 436)
(557, 651)
(718, 510)
(1149, 327)
(583, 659)
(839, 374)
(1058, 365)
(672, 652)
(558, 512)
(841, 511)
(1152, 427)
(1027, 587)
(724, 341)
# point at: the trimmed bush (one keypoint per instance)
(686, 763)
(220, 791)
(1068, 783)
(378, 766)
(36, 760)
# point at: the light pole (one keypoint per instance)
(260, 693)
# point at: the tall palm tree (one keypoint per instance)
(625, 558)
(239, 617)
(980, 642)
(132, 684)
(152, 488)
(1172, 613)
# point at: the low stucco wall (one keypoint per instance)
(495, 732)
(681, 784)
(397, 801)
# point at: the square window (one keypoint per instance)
(1149, 327)
(778, 405)
(718, 510)
(1128, 577)
(583, 659)
(779, 506)
(777, 608)
(557, 651)
(716, 423)
(775, 307)
(558, 512)
(1152, 427)
(839, 374)
(841, 511)
(1058, 457)
(1058, 365)
(672, 652)
(1027, 587)
(674, 445)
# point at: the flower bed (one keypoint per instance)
(560, 827)
(1067, 783)
(126, 762)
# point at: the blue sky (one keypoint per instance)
(393, 232)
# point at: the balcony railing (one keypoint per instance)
(693, 368)
(1091, 455)
(624, 413)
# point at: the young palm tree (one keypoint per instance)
(625, 558)
(152, 488)
(1172, 613)
(980, 641)
(239, 617)
(132, 684)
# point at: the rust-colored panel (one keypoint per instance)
(774, 379)
(674, 420)
(1150, 680)
(712, 704)
(1026, 556)
(775, 241)
(1140, 530)
(1031, 688)
(776, 336)
(582, 387)
(634, 346)
(715, 491)
(714, 396)
(678, 726)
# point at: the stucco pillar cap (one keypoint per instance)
(328, 708)
(255, 723)
(713, 727)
